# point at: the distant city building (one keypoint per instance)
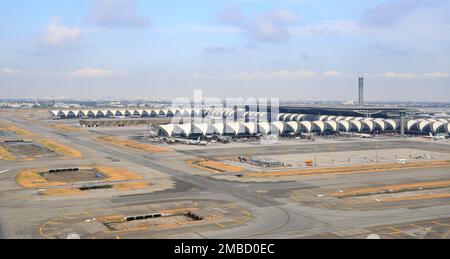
(348, 102)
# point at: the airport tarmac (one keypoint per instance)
(285, 208)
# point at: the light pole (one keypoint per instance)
(377, 134)
(315, 152)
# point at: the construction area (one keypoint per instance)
(127, 182)
(149, 220)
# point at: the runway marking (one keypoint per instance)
(396, 231)
(440, 224)
(5, 171)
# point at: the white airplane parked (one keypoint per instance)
(436, 138)
(356, 135)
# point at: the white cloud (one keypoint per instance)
(58, 35)
(438, 75)
(332, 73)
(9, 71)
(90, 72)
(398, 75)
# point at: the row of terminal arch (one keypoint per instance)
(108, 113)
(285, 121)
(279, 127)
(428, 125)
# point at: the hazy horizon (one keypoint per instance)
(292, 49)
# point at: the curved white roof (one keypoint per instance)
(102, 112)
(92, 113)
(331, 118)
(344, 124)
(320, 125)
(233, 128)
(340, 118)
(380, 124)
(218, 128)
(54, 113)
(436, 125)
(349, 118)
(185, 129)
(287, 117)
(307, 125)
(443, 120)
(448, 128)
(167, 112)
(293, 126)
(66, 113)
(369, 124)
(298, 117)
(392, 123)
(251, 127)
(281, 116)
(323, 117)
(264, 127)
(278, 127)
(424, 124)
(200, 128)
(411, 123)
(333, 125)
(153, 113)
(357, 124)
(168, 129)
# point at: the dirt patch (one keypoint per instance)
(32, 179)
(133, 144)
(117, 174)
(392, 189)
(60, 148)
(66, 128)
(351, 169)
(5, 154)
(14, 129)
(131, 186)
(215, 166)
(154, 221)
(82, 175)
(418, 197)
(27, 150)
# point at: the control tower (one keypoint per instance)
(361, 92)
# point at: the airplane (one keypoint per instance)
(436, 138)
(358, 135)
(197, 142)
(191, 142)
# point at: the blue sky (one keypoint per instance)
(291, 49)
